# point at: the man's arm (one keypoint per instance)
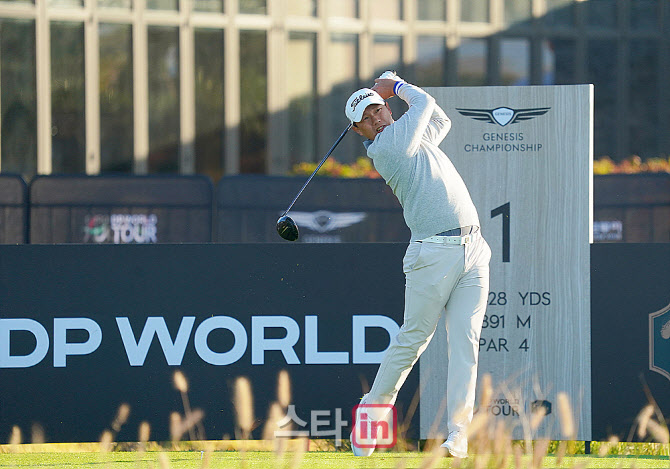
(423, 119)
(439, 126)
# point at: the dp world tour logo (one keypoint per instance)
(121, 228)
(503, 115)
(96, 228)
(659, 341)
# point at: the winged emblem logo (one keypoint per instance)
(659, 341)
(323, 221)
(503, 115)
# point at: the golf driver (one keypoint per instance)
(286, 227)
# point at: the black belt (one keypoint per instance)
(462, 231)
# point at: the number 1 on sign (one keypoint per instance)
(504, 211)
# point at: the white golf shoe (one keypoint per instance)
(361, 445)
(358, 450)
(457, 444)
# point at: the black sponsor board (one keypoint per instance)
(630, 285)
(61, 292)
(13, 209)
(330, 210)
(121, 209)
(74, 317)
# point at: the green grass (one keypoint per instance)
(326, 460)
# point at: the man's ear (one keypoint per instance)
(388, 107)
(357, 130)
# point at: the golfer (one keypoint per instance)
(446, 264)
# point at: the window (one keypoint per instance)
(430, 61)
(387, 55)
(116, 98)
(601, 64)
(431, 10)
(253, 7)
(472, 56)
(475, 11)
(601, 13)
(253, 101)
(68, 120)
(162, 4)
(644, 15)
(114, 4)
(558, 62)
(643, 98)
(517, 11)
(209, 103)
(560, 13)
(209, 6)
(301, 89)
(66, 3)
(514, 62)
(18, 97)
(163, 99)
(343, 75)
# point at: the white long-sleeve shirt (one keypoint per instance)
(406, 154)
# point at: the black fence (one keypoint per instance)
(632, 208)
(13, 210)
(120, 210)
(330, 210)
(245, 209)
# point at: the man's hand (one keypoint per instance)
(384, 87)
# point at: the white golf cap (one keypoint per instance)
(360, 100)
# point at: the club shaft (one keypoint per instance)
(319, 166)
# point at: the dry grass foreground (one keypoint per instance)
(491, 445)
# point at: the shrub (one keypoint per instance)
(631, 165)
(362, 168)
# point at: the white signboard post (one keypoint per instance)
(525, 154)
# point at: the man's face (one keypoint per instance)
(375, 119)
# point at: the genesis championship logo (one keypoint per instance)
(513, 141)
(659, 341)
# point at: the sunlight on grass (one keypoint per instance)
(327, 460)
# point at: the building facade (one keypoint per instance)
(221, 87)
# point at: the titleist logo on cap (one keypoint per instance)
(358, 99)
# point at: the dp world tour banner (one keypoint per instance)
(525, 154)
(87, 328)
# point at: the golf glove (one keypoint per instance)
(392, 75)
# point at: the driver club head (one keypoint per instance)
(287, 228)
